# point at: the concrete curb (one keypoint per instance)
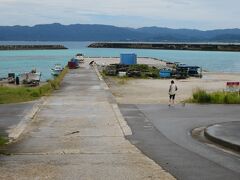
(105, 86)
(209, 135)
(98, 73)
(123, 124)
(18, 130)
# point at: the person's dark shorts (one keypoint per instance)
(172, 96)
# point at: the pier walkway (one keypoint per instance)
(78, 134)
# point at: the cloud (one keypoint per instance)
(202, 14)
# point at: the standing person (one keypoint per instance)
(172, 92)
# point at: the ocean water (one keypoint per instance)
(43, 60)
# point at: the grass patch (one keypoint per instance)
(219, 97)
(23, 94)
(103, 74)
(123, 80)
(116, 80)
(3, 141)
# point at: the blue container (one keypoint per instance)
(165, 73)
(128, 59)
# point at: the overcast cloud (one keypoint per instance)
(200, 14)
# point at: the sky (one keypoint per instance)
(194, 14)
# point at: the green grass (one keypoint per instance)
(103, 74)
(123, 80)
(23, 94)
(3, 141)
(219, 97)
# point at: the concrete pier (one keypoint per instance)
(78, 134)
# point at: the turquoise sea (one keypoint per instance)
(43, 60)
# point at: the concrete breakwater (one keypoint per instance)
(196, 47)
(31, 47)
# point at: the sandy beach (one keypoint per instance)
(152, 91)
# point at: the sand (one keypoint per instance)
(153, 91)
(114, 60)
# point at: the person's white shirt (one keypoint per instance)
(172, 89)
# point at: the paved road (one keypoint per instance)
(77, 135)
(227, 134)
(12, 114)
(163, 134)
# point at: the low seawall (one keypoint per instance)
(196, 47)
(31, 47)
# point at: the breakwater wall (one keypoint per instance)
(31, 47)
(196, 47)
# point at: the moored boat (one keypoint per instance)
(31, 78)
(79, 57)
(56, 70)
(73, 63)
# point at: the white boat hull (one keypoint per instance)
(28, 77)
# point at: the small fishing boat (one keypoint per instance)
(73, 63)
(56, 70)
(79, 57)
(31, 78)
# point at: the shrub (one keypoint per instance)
(146, 70)
(139, 67)
(201, 96)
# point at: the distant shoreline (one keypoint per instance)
(172, 46)
(31, 47)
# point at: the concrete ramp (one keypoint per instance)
(78, 134)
